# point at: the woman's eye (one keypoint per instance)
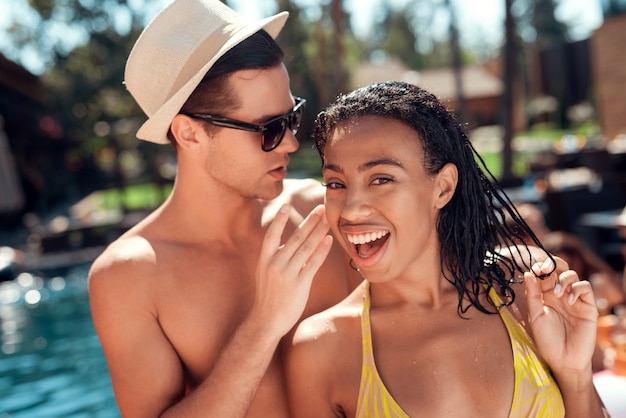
(382, 180)
(333, 185)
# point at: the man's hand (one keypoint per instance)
(285, 272)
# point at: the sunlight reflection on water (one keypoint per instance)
(51, 361)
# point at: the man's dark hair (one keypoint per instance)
(471, 227)
(214, 94)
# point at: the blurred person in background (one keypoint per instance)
(534, 218)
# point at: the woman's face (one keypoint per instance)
(380, 203)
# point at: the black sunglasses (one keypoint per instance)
(272, 132)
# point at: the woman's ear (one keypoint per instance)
(447, 179)
(184, 130)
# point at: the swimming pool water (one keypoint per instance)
(51, 361)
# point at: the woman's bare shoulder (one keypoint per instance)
(333, 325)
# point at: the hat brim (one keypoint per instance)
(156, 127)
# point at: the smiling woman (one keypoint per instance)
(423, 223)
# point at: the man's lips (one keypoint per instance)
(279, 172)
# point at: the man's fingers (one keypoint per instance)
(300, 246)
(313, 263)
(271, 242)
(307, 235)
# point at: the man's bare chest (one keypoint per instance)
(200, 304)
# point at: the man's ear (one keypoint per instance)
(184, 130)
(447, 179)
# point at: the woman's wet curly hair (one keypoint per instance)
(472, 226)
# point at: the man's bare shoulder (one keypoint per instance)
(303, 194)
(125, 262)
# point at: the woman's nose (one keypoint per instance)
(357, 205)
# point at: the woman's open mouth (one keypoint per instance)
(367, 244)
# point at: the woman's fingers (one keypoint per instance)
(534, 296)
(581, 290)
(566, 285)
(564, 281)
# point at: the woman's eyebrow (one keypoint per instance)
(366, 166)
(381, 161)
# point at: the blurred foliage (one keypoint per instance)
(101, 118)
(537, 22)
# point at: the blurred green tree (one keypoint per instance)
(86, 89)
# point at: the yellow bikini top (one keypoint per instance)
(536, 393)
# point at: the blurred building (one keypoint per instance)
(609, 74)
(559, 79)
(33, 169)
(482, 86)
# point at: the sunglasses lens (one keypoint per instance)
(295, 119)
(275, 130)
(274, 134)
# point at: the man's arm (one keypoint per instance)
(147, 374)
(145, 369)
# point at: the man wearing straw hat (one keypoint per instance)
(191, 304)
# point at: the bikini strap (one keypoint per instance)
(366, 329)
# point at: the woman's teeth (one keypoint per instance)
(365, 238)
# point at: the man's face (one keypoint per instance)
(234, 157)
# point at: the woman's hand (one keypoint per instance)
(563, 316)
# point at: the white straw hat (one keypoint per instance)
(175, 51)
